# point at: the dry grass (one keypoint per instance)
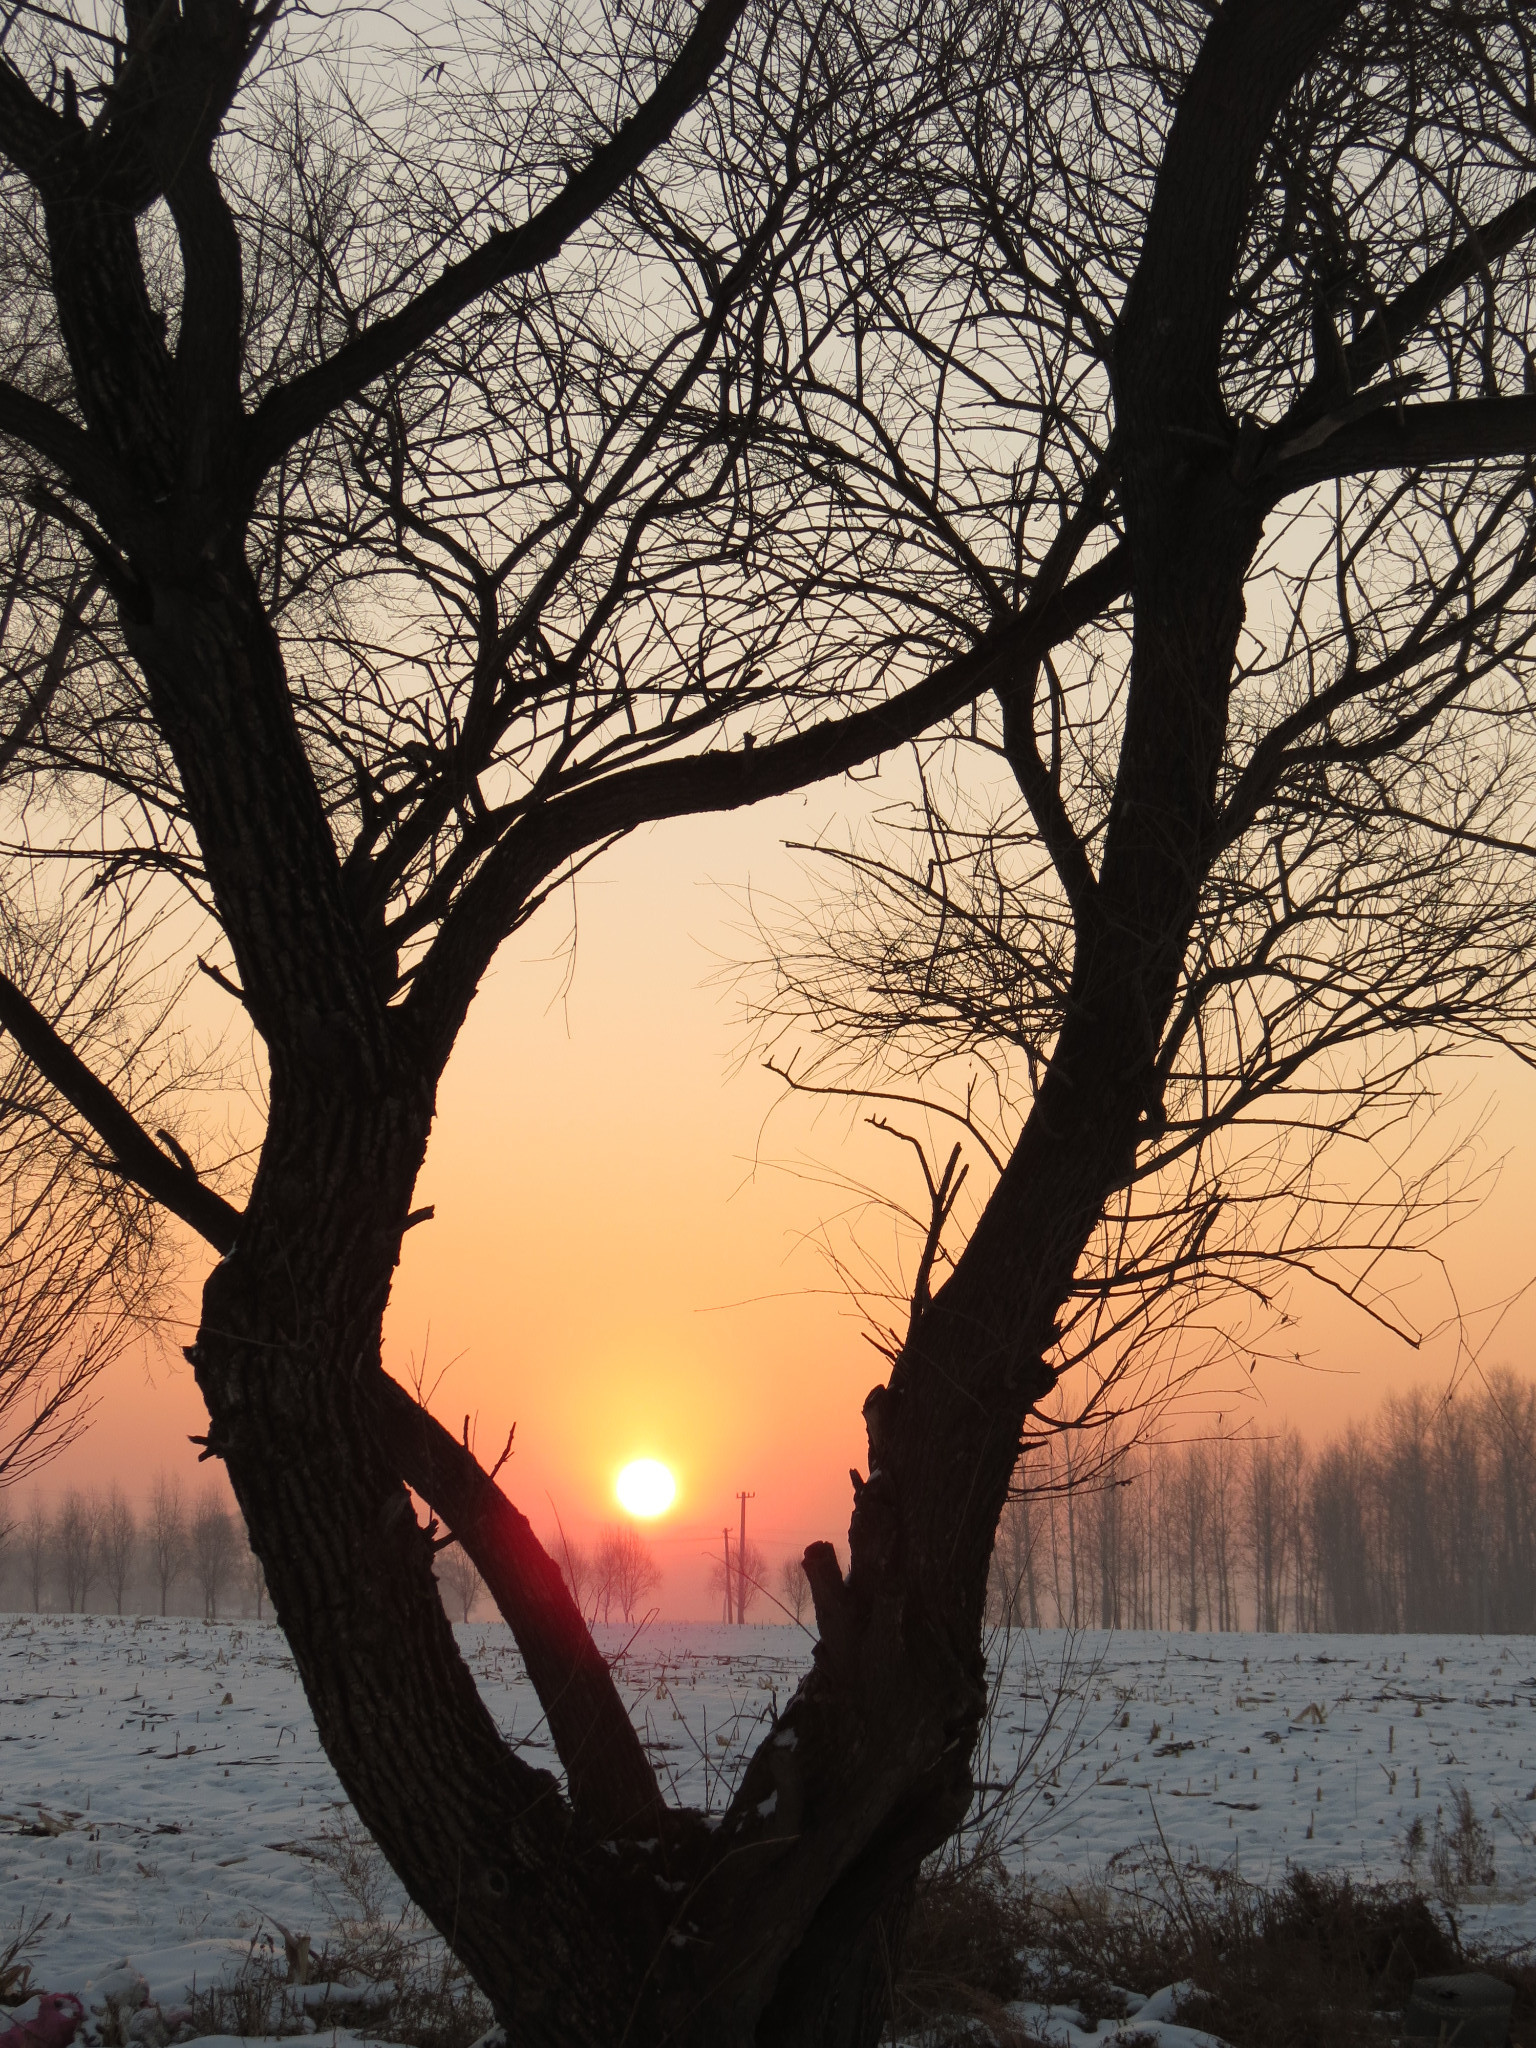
(961, 1958)
(1320, 1961)
(15, 1970)
(389, 1975)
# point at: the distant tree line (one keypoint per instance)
(613, 1581)
(92, 1552)
(1424, 1521)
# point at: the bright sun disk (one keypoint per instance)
(645, 1487)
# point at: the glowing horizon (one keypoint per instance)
(625, 1256)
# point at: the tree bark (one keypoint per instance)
(287, 1359)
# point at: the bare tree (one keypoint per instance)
(421, 558)
(1222, 1525)
(166, 1533)
(213, 1547)
(744, 1585)
(255, 1582)
(1014, 1596)
(1340, 1509)
(1508, 1473)
(1107, 1525)
(1191, 1511)
(1303, 1562)
(624, 1570)
(1267, 1532)
(36, 1549)
(545, 447)
(794, 1588)
(77, 1542)
(577, 1573)
(119, 1542)
(462, 1584)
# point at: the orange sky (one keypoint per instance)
(608, 1269)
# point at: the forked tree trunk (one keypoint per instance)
(780, 1928)
(573, 1936)
(287, 1358)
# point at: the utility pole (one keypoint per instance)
(727, 1535)
(741, 1563)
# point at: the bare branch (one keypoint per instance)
(295, 409)
(613, 1787)
(1422, 436)
(35, 710)
(59, 442)
(166, 1179)
(491, 904)
(1386, 331)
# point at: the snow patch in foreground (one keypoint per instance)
(1153, 2019)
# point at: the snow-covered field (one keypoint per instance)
(163, 1797)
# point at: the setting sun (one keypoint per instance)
(645, 1487)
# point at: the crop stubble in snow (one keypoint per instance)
(194, 1808)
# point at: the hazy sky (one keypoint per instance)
(619, 1264)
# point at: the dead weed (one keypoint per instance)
(385, 1973)
(1322, 1960)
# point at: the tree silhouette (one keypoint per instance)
(620, 418)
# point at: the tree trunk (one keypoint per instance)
(288, 1354)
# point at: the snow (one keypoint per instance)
(1318, 1751)
(1153, 2020)
(165, 1803)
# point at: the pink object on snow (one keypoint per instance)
(58, 2019)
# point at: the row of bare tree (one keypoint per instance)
(1424, 1521)
(92, 1550)
(609, 1582)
